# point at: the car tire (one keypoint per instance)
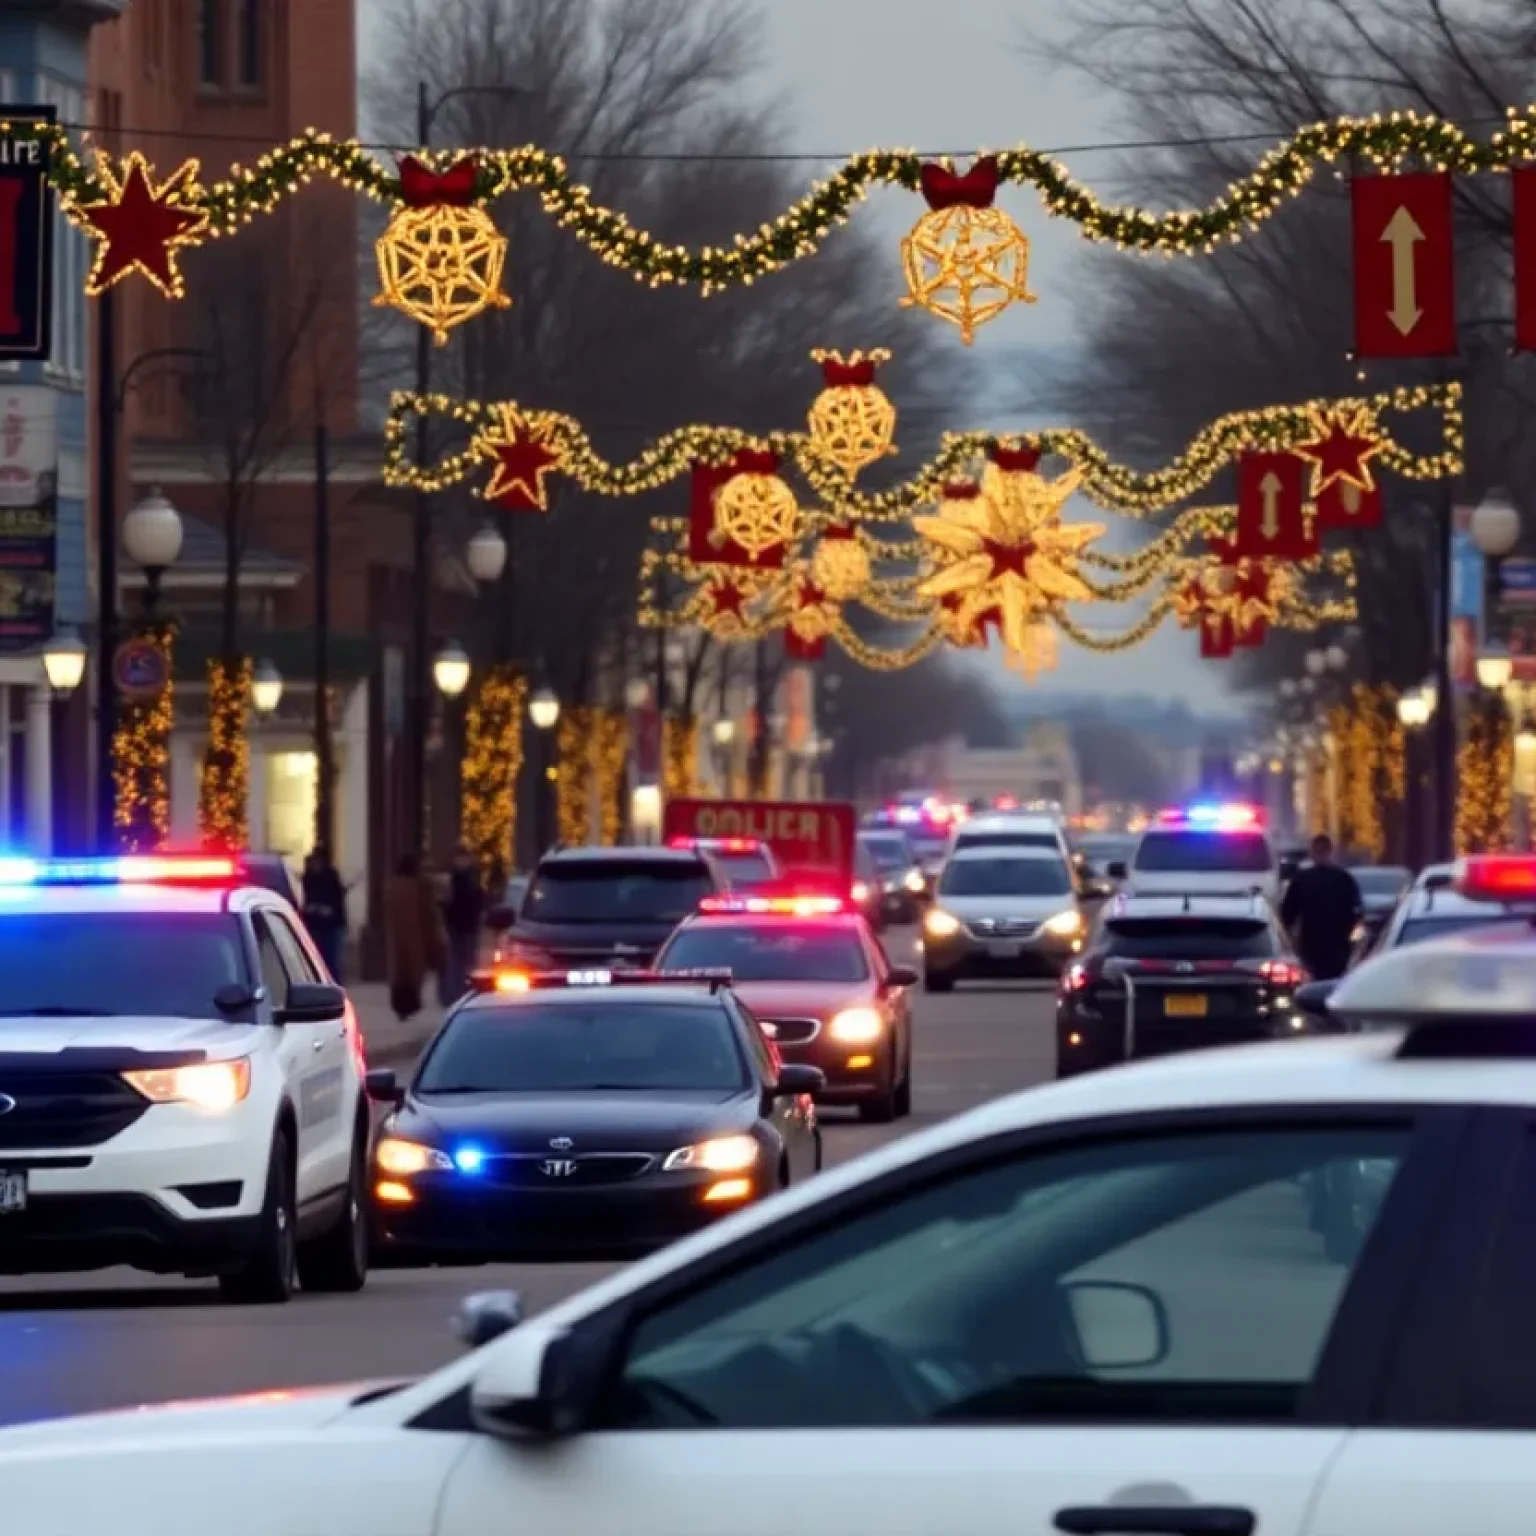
(271, 1274)
(904, 1094)
(937, 981)
(883, 1107)
(338, 1260)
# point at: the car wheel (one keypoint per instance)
(937, 981)
(904, 1095)
(338, 1261)
(884, 1106)
(271, 1273)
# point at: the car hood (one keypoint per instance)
(1034, 909)
(801, 999)
(48, 1036)
(595, 1122)
(255, 1412)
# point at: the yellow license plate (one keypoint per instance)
(1185, 1005)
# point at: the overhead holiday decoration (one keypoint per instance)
(493, 760)
(440, 258)
(965, 260)
(1274, 520)
(1109, 484)
(1405, 265)
(725, 614)
(757, 512)
(852, 420)
(226, 777)
(522, 457)
(1341, 452)
(139, 226)
(841, 564)
(141, 759)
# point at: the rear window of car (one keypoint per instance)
(772, 951)
(1008, 840)
(744, 870)
(617, 891)
(1204, 853)
(888, 852)
(1190, 938)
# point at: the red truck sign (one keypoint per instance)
(802, 834)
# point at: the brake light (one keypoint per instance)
(1496, 877)
(1076, 978)
(1283, 973)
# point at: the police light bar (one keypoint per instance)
(546, 981)
(1496, 877)
(133, 869)
(1212, 818)
(719, 844)
(773, 906)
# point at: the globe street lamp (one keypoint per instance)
(637, 694)
(266, 688)
(451, 669)
(64, 662)
(152, 535)
(1495, 667)
(1495, 526)
(544, 712)
(1317, 662)
(486, 556)
(544, 709)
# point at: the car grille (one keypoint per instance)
(53, 1109)
(549, 1170)
(1003, 927)
(792, 1031)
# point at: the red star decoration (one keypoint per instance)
(523, 461)
(1193, 594)
(726, 597)
(1343, 450)
(1008, 558)
(811, 596)
(1253, 584)
(139, 227)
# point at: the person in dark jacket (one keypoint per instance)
(463, 914)
(325, 907)
(1322, 905)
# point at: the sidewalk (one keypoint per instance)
(386, 1041)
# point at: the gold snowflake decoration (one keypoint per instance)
(441, 266)
(1008, 552)
(966, 265)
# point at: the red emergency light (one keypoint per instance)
(719, 844)
(1496, 877)
(773, 906)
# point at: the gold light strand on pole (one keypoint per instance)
(493, 759)
(224, 789)
(141, 759)
(573, 784)
(679, 758)
(610, 749)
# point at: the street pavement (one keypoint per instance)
(72, 1344)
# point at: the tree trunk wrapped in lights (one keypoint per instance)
(1484, 772)
(493, 759)
(679, 758)
(141, 758)
(610, 754)
(226, 778)
(1369, 743)
(573, 781)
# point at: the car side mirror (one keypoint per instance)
(237, 997)
(540, 1381)
(313, 1002)
(1311, 998)
(796, 1079)
(1116, 870)
(901, 976)
(1119, 1326)
(382, 1086)
(500, 918)
(487, 1315)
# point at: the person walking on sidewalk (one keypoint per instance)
(414, 936)
(463, 913)
(325, 907)
(1322, 905)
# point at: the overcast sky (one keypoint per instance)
(950, 76)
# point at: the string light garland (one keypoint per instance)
(679, 758)
(1109, 484)
(573, 786)
(1382, 141)
(610, 760)
(493, 760)
(141, 758)
(225, 784)
(1484, 777)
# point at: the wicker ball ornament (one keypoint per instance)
(840, 567)
(756, 512)
(852, 421)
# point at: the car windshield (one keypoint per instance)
(1421, 928)
(1382, 884)
(149, 964)
(1204, 853)
(744, 870)
(888, 852)
(587, 1047)
(616, 891)
(1008, 839)
(1190, 938)
(771, 951)
(1005, 877)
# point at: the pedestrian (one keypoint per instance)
(414, 936)
(463, 912)
(325, 907)
(1321, 909)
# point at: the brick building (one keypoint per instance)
(228, 388)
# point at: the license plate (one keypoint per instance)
(1000, 951)
(1185, 1005)
(13, 1192)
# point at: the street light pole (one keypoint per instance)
(1443, 834)
(106, 570)
(422, 544)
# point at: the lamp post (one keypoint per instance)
(152, 534)
(544, 712)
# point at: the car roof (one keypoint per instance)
(618, 994)
(993, 851)
(637, 855)
(105, 899)
(1195, 904)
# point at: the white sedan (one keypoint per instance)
(1102, 1307)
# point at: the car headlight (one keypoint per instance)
(1065, 925)
(405, 1157)
(856, 1026)
(722, 1154)
(939, 924)
(914, 882)
(212, 1085)
(860, 891)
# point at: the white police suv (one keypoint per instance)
(180, 1080)
(1099, 1307)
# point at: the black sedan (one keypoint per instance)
(585, 1117)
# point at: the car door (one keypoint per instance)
(324, 1108)
(1127, 1326)
(1454, 1440)
(793, 1118)
(301, 1051)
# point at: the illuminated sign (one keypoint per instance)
(26, 237)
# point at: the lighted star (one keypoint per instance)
(1345, 443)
(1008, 550)
(139, 226)
(726, 598)
(523, 459)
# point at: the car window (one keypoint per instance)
(295, 957)
(1007, 840)
(1167, 1277)
(1190, 938)
(758, 1044)
(617, 891)
(274, 973)
(889, 852)
(744, 869)
(1415, 930)
(1005, 876)
(774, 951)
(1204, 853)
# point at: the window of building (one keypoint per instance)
(210, 42)
(249, 43)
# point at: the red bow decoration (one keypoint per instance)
(422, 187)
(1015, 460)
(838, 374)
(838, 531)
(961, 490)
(977, 188)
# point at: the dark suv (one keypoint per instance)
(1175, 973)
(604, 908)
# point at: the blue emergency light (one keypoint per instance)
(130, 869)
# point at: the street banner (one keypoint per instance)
(804, 835)
(26, 238)
(29, 456)
(1405, 265)
(1272, 523)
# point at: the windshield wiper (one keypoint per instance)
(58, 1011)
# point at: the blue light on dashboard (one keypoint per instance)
(469, 1159)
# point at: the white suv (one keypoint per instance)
(1203, 851)
(180, 1081)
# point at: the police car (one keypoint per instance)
(1095, 1307)
(180, 1080)
(1213, 849)
(1438, 904)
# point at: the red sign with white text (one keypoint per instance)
(803, 834)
